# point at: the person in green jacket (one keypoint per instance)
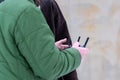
(27, 47)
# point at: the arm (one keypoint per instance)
(55, 20)
(36, 43)
(60, 24)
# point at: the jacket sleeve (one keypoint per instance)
(36, 43)
(60, 24)
(55, 20)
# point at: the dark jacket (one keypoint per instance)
(57, 23)
(27, 45)
(55, 20)
(1, 1)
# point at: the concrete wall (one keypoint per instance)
(100, 20)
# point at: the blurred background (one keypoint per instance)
(100, 20)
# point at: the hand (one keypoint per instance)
(83, 51)
(60, 44)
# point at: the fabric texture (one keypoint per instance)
(55, 20)
(27, 49)
(58, 25)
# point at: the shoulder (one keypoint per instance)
(15, 7)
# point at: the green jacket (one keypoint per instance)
(27, 49)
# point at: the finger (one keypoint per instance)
(64, 47)
(63, 40)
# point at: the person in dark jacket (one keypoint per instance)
(57, 24)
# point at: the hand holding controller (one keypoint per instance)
(83, 51)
